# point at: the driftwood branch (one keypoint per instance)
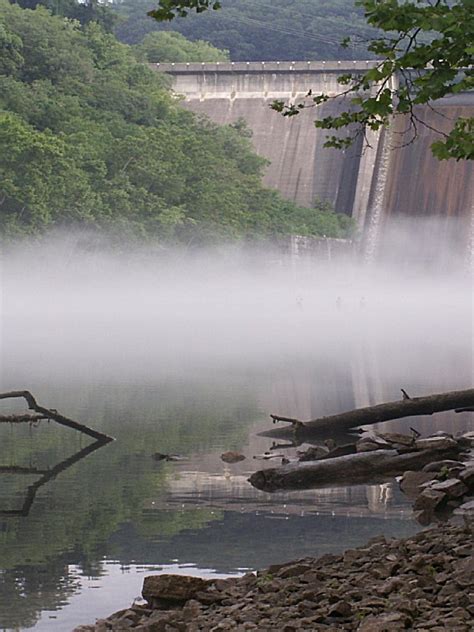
(414, 406)
(47, 413)
(20, 419)
(362, 467)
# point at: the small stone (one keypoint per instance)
(232, 457)
(387, 622)
(465, 508)
(351, 555)
(340, 609)
(468, 436)
(293, 570)
(390, 585)
(369, 445)
(467, 477)
(396, 437)
(191, 610)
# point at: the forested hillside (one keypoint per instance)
(261, 30)
(91, 136)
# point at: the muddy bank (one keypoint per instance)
(421, 583)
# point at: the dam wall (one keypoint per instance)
(299, 167)
(380, 185)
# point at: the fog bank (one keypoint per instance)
(73, 313)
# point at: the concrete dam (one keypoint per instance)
(379, 186)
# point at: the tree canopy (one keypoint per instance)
(425, 53)
(94, 138)
(297, 30)
(169, 46)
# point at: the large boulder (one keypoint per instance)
(159, 590)
(411, 482)
(429, 500)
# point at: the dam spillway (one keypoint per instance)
(378, 186)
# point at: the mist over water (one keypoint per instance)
(71, 312)
(187, 352)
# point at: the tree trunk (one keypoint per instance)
(376, 414)
(363, 467)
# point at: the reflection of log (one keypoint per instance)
(376, 414)
(47, 413)
(49, 475)
(363, 467)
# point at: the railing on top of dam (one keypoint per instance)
(265, 66)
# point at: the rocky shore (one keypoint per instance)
(425, 582)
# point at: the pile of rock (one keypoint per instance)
(422, 583)
(441, 488)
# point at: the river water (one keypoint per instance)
(190, 360)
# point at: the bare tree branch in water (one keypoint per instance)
(49, 413)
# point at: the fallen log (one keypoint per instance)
(369, 415)
(50, 413)
(363, 467)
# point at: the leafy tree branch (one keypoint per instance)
(425, 52)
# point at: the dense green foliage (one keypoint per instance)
(84, 11)
(173, 47)
(91, 136)
(430, 49)
(426, 52)
(254, 30)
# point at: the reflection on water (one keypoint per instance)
(121, 505)
(99, 525)
(124, 582)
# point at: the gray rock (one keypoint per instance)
(294, 570)
(174, 588)
(435, 443)
(387, 622)
(411, 482)
(340, 609)
(467, 476)
(396, 437)
(369, 445)
(428, 500)
(453, 487)
(465, 508)
(469, 436)
(437, 466)
(232, 457)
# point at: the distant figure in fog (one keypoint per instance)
(362, 303)
(338, 303)
(299, 302)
